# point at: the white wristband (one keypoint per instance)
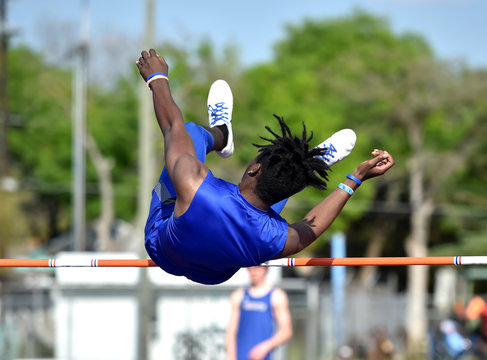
(348, 189)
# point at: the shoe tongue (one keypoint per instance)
(224, 130)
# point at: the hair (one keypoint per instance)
(289, 165)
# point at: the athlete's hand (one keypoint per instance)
(259, 351)
(377, 166)
(150, 62)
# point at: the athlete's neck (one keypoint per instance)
(253, 199)
(260, 289)
(248, 185)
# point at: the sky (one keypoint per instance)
(456, 29)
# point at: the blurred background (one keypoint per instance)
(80, 152)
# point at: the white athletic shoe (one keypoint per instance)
(220, 106)
(339, 146)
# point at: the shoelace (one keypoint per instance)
(330, 151)
(218, 113)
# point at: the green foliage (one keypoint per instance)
(40, 101)
(332, 75)
(472, 243)
(355, 72)
(113, 122)
(348, 43)
(40, 145)
(13, 222)
(40, 97)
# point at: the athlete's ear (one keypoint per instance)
(254, 169)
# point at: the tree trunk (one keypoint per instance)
(382, 232)
(367, 274)
(103, 168)
(417, 245)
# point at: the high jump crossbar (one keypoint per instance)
(285, 262)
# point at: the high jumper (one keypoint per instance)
(205, 228)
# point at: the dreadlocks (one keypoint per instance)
(288, 165)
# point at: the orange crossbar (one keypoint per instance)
(376, 261)
(352, 261)
(123, 263)
(77, 263)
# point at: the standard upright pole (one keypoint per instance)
(146, 179)
(338, 279)
(79, 134)
(4, 37)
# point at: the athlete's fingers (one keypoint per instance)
(377, 160)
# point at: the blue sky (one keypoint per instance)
(456, 29)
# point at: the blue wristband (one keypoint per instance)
(353, 178)
(152, 75)
(348, 189)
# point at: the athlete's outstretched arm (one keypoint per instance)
(318, 220)
(184, 169)
(167, 112)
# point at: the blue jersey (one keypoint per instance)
(256, 323)
(218, 234)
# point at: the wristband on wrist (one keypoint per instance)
(353, 178)
(156, 77)
(348, 189)
(154, 74)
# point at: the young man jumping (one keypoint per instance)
(205, 228)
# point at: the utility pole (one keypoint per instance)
(80, 81)
(146, 128)
(5, 34)
(4, 39)
(3, 128)
(146, 179)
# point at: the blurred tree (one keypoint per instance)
(39, 143)
(105, 222)
(40, 140)
(333, 75)
(112, 124)
(432, 102)
(13, 223)
(355, 72)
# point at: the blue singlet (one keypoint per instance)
(256, 323)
